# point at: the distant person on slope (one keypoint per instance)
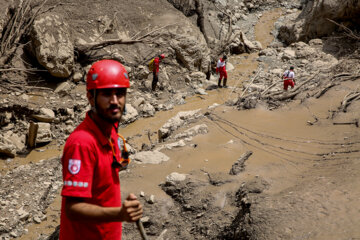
(93, 155)
(289, 78)
(155, 68)
(221, 69)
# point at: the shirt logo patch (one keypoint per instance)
(74, 166)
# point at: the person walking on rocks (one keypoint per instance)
(289, 78)
(221, 69)
(93, 156)
(154, 66)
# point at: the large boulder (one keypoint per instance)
(190, 47)
(52, 45)
(313, 20)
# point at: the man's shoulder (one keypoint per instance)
(82, 134)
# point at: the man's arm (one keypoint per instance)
(78, 210)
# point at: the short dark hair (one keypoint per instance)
(224, 57)
(291, 67)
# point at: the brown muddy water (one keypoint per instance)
(284, 146)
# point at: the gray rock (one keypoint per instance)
(198, 129)
(200, 91)
(151, 199)
(63, 87)
(46, 115)
(180, 143)
(175, 177)
(149, 157)
(44, 134)
(131, 114)
(78, 76)
(7, 147)
(147, 110)
(52, 45)
(175, 122)
(37, 220)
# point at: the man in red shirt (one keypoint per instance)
(289, 78)
(221, 68)
(156, 63)
(93, 156)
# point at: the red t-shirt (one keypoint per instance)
(156, 64)
(87, 174)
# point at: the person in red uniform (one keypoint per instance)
(221, 68)
(91, 202)
(289, 78)
(157, 61)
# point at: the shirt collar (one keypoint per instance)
(96, 130)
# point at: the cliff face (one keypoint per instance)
(313, 21)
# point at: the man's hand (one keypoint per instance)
(131, 209)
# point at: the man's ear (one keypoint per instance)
(91, 98)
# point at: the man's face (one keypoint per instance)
(110, 103)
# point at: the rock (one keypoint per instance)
(23, 214)
(258, 45)
(44, 134)
(63, 87)
(17, 141)
(145, 219)
(147, 110)
(7, 147)
(175, 122)
(180, 143)
(175, 177)
(37, 220)
(214, 106)
(78, 76)
(46, 115)
(142, 194)
(198, 129)
(25, 97)
(52, 44)
(130, 115)
(198, 76)
(151, 199)
(190, 47)
(200, 91)
(179, 99)
(288, 54)
(138, 101)
(306, 52)
(149, 157)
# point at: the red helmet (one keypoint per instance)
(107, 74)
(162, 56)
